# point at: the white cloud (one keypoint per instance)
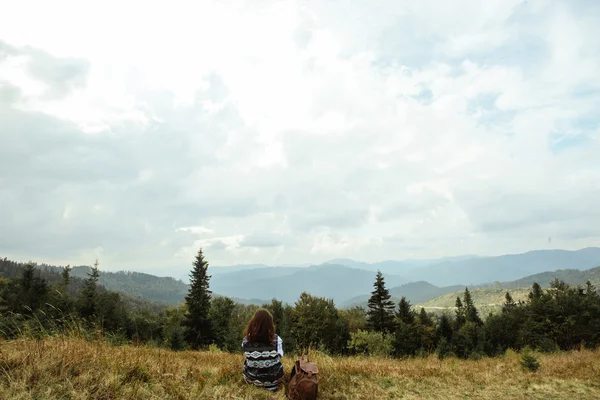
(288, 132)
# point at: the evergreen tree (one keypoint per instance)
(536, 292)
(509, 303)
(197, 322)
(559, 285)
(405, 312)
(460, 314)
(27, 278)
(424, 318)
(66, 277)
(471, 313)
(381, 309)
(444, 329)
(89, 295)
(33, 291)
(407, 340)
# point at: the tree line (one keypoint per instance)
(558, 318)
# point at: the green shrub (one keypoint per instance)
(444, 349)
(371, 343)
(529, 361)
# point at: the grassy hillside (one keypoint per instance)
(486, 299)
(490, 297)
(571, 276)
(76, 369)
(415, 292)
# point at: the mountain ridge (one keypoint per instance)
(251, 283)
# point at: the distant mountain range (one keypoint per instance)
(349, 282)
(507, 267)
(473, 270)
(337, 282)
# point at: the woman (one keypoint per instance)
(262, 351)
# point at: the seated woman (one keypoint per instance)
(262, 351)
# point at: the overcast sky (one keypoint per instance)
(295, 132)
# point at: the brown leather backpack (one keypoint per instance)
(304, 382)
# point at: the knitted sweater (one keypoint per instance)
(262, 365)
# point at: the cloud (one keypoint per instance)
(296, 132)
(59, 76)
(265, 239)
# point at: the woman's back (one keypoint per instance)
(262, 366)
(262, 352)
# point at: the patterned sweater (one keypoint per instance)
(262, 365)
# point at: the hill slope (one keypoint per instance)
(571, 276)
(490, 297)
(137, 284)
(505, 268)
(14, 270)
(75, 369)
(415, 292)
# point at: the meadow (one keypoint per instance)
(74, 368)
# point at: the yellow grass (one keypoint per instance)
(75, 369)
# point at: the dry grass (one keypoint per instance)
(75, 369)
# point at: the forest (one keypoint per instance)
(37, 302)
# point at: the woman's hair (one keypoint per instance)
(261, 328)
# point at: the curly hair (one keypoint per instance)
(261, 328)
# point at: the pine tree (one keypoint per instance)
(197, 321)
(405, 312)
(381, 309)
(66, 277)
(471, 313)
(424, 318)
(89, 294)
(509, 303)
(444, 329)
(536, 292)
(460, 314)
(27, 278)
(33, 290)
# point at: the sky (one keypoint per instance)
(285, 132)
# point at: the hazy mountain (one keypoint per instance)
(573, 277)
(505, 268)
(401, 267)
(244, 276)
(415, 292)
(332, 281)
(492, 295)
(351, 281)
(218, 270)
(346, 262)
